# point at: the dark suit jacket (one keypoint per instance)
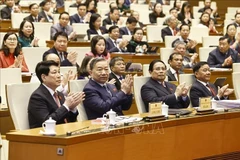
(6, 13)
(107, 21)
(171, 76)
(216, 58)
(42, 106)
(124, 31)
(65, 62)
(181, 18)
(153, 17)
(30, 18)
(190, 50)
(141, 25)
(117, 83)
(98, 101)
(75, 19)
(198, 90)
(166, 32)
(152, 91)
(93, 31)
(58, 28)
(111, 47)
(43, 15)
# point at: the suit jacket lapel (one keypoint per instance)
(170, 75)
(49, 96)
(205, 89)
(159, 86)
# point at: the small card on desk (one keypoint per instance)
(205, 103)
(155, 108)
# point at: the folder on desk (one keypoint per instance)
(178, 111)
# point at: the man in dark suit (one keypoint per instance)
(46, 102)
(158, 90)
(117, 66)
(223, 56)
(175, 61)
(184, 34)
(237, 20)
(34, 11)
(6, 11)
(171, 29)
(135, 14)
(113, 18)
(102, 96)
(46, 13)
(188, 62)
(130, 26)
(112, 43)
(202, 88)
(60, 47)
(81, 16)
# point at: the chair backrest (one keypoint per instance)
(210, 41)
(81, 51)
(33, 55)
(166, 8)
(204, 53)
(196, 8)
(102, 5)
(139, 7)
(42, 36)
(64, 70)
(76, 86)
(72, 10)
(56, 18)
(235, 79)
(18, 96)
(8, 75)
(145, 70)
(197, 15)
(187, 78)
(195, 21)
(169, 40)
(160, 21)
(127, 37)
(154, 33)
(17, 18)
(80, 28)
(229, 16)
(197, 33)
(236, 67)
(67, 4)
(165, 53)
(144, 16)
(2, 34)
(138, 82)
(232, 9)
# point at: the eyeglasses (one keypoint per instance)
(12, 39)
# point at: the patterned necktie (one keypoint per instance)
(105, 86)
(58, 102)
(211, 90)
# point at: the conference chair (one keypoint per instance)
(144, 16)
(64, 69)
(56, 18)
(72, 10)
(235, 79)
(160, 21)
(196, 8)
(42, 36)
(17, 18)
(232, 9)
(76, 86)
(8, 75)
(81, 29)
(145, 70)
(33, 55)
(2, 34)
(154, 33)
(204, 52)
(236, 67)
(209, 41)
(102, 5)
(81, 51)
(139, 7)
(166, 8)
(138, 82)
(165, 53)
(18, 95)
(230, 16)
(169, 40)
(67, 4)
(197, 33)
(195, 22)
(4, 148)
(213, 4)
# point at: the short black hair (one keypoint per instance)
(82, 71)
(44, 68)
(112, 28)
(110, 5)
(172, 9)
(31, 5)
(225, 37)
(43, 3)
(64, 34)
(171, 56)
(114, 60)
(236, 14)
(62, 14)
(95, 61)
(113, 9)
(150, 69)
(180, 28)
(81, 4)
(131, 20)
(198, 66)
(93, 18)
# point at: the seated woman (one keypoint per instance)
(26, 35)
(121, 6)
(91, 6)
(95, 26)
(231, 33)
(205, 21)
(136, 44)
(98, 48)
(83, 71)
(185, 15)
(157, 12)
(10, 53)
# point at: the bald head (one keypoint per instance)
(53, 57)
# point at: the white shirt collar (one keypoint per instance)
(172, 70)
(49, 89)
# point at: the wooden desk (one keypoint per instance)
(5, 24)
(15, 30)
(173, 139)
(6, 123)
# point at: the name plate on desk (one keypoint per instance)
(205, 103)
(155, 108)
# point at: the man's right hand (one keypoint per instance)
(72, 57)
(127, 84)
(73, 99)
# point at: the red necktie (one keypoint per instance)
(212, 90)
(58, 102)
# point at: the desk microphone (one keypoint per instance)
(70, 133)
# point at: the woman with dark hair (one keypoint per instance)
(177, 5)
(95, 26)
(136, 44)
(26, 34)
(98, 48)
(185, 16)
(157, 12)
(231, 31)
(10, 53)
(91, 6)
(83, 71)
(121, 6)
(205, 21)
